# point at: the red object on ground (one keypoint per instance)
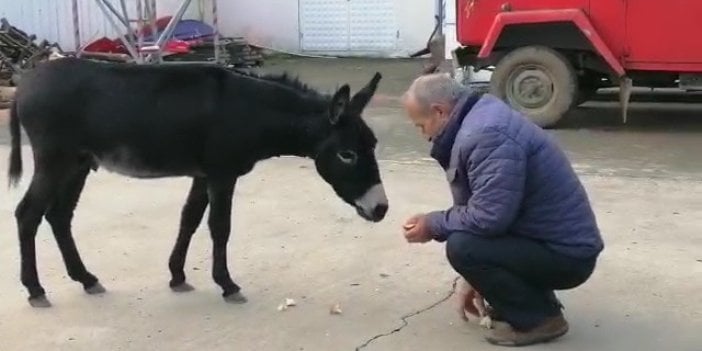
(161, 24)
(106, 45)
(176, 46)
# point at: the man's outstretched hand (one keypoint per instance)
(417, 230)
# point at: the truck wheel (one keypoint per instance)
(537, 81)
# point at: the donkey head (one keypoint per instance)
(346, 157)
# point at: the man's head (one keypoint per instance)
(430, 100)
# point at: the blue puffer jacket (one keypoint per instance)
(509, 177)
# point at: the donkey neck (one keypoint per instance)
(286, 133)
(292, 120)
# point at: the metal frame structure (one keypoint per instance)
(146, 13)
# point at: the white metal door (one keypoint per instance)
(372, 25)
(324, 25)
(341, 26)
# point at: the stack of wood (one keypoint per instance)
(241, 54)
(7, 94)
(19, 52)
(233, 52)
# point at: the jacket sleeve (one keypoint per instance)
(496, 168)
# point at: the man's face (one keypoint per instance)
(430, 121)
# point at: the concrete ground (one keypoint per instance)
(292, 238)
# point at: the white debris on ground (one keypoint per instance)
(335, 309)
(287, 303)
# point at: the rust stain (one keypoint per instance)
(469, 8)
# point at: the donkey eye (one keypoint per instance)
(348, 157)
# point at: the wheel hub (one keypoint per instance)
(530, 87)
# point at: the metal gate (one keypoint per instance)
(348, 26)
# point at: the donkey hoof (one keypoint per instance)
(182, 287)
(39, 302)
(235, 298)
(97, 288)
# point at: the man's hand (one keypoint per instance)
(416, 229)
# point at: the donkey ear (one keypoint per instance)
(339, 103)
(363, 96)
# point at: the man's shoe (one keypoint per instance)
(504, 335)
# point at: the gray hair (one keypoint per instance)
(436, 88)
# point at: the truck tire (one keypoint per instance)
(537, 81)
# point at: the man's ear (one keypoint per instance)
(339, 103)
(439, 109)
(435, 108)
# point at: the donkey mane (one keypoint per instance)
(286, 79)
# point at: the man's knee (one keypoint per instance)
(461, 249)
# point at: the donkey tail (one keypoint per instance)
(15, 171)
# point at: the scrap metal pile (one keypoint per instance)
(190, 41)
(170, 39)
(19, 52)
(165, 39)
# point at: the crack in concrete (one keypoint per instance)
(410, 315)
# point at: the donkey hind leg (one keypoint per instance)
(59, 216)
(190, 219)
(29, 212)
(220, 196)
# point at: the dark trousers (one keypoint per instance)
(516, 276)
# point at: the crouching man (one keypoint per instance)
(521, 225)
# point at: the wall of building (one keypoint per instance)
(53, 19)
(275, 23)
(416, 20)
(450, 28)
(269, 23)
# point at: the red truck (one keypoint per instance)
(549, 56)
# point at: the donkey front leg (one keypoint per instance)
(190, 219)
(220, 194)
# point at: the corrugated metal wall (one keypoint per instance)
(53, 19)
(270, 23)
